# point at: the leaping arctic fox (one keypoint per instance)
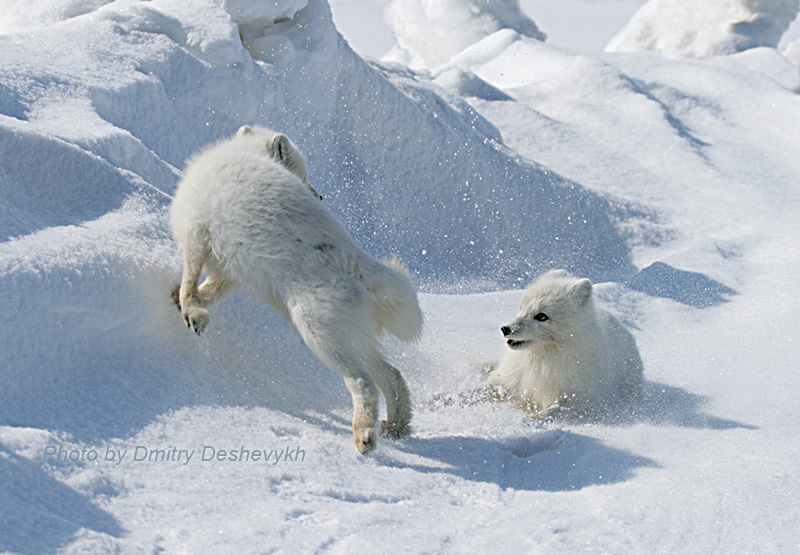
(245, 212)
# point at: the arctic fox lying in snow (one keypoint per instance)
(245, 212)
(564, 351)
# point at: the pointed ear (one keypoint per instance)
(582, 290)
(282, 147)
(245, 130)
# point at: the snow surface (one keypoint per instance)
(792, 52)
(582, 25)
(699, 29)
(673, 183)
(430, 32)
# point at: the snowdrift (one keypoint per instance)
(391, 155)
(693, 29)
(430, 32)
(792, 52)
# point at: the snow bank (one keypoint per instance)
(17, 15)
(792, 52)
(567, 110)
(390, 154)
(693, 29)
(430, 32)
(268, 12)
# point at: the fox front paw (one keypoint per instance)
(196, 318)
(365, 438)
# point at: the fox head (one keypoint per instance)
(552, 309)
(278, 147)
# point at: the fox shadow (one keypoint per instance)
(553, 460)
(558, 460)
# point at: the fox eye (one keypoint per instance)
(541, 317)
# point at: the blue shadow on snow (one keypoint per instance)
(552, 460)
(38, 514)
(690, 288)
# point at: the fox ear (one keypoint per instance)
(245, 130)
(582, 290)
(281, 147)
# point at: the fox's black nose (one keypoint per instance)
(506, 330)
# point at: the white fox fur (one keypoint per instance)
(564, 351)
(245, 212)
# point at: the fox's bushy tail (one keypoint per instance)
(397, 308)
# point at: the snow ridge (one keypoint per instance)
(691, 29)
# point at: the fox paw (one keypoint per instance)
(366, 439)
(196, 318)
(176, 296)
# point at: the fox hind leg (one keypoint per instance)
(210, 291)
(334, 322)
(398, 399)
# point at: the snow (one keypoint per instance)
(20, 14)
(271, 12)
(701, 29)
(430, 32)
(792, 52)
(671, 182)
(364, 25)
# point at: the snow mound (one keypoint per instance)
(792, 52)
(691, 29)
(17, 15)
(430, 32)
(268, 12)
(433, 184)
